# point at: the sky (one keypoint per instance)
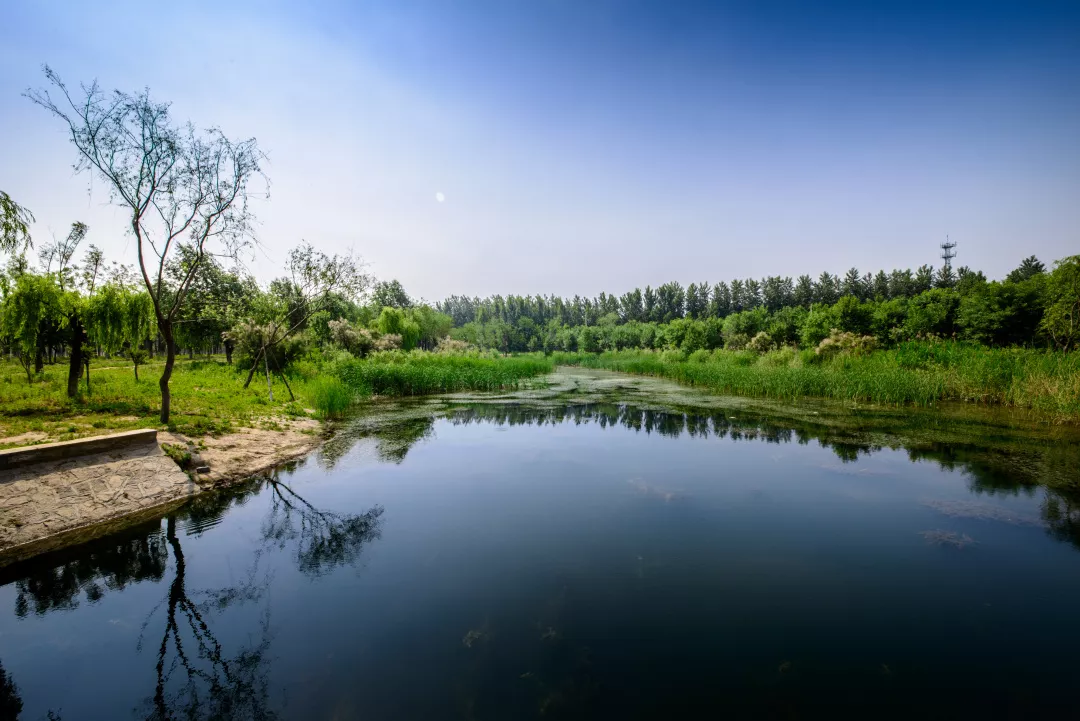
(580, 146)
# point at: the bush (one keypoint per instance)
(780, 358)
(760, 343)
(736, 341)
(842, 342)
(700, 356)
(450, 346)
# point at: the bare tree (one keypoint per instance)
(180, 185)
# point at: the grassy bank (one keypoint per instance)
(209, 395)
(918, 373)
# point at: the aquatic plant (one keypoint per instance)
(916, 372)
(419, 373)
(330, 397)
(948, 539)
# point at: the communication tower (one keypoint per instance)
(948, 252)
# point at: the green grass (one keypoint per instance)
(418, 373)
(918, 373)
(330, 397)
(208, 396)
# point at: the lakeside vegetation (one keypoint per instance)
(211, 397)
(921, 373)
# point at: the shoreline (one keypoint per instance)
(48, 506)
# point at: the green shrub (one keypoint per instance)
(761, 343)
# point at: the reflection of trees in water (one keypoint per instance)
(109, 563)
(10, 701)
(671, 424)
(324, 539)
(1061, 511)
(393, 439)
(197, 678)
(1006, 467)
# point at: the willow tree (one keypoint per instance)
(32, 303)
(15, 223)
(179, 184)
(56, 260)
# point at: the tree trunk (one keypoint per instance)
(251, 373)
(75, 361)
(39, 358)
(170, 360)
(281, 372)
(269, 387)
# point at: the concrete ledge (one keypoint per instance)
(18, 457)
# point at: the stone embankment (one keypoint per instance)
(52, 491)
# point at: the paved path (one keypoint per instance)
(48, 498)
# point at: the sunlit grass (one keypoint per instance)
(418, 373)
(207, 397)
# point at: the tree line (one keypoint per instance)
(1032, 306)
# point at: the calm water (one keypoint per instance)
(597, 562)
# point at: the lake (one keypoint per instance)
(606, 553)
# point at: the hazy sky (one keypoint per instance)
(587, 145)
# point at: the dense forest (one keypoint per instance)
(1033, 306)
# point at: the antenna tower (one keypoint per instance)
(948, 252)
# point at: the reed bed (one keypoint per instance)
(918, 373)
(418, 373)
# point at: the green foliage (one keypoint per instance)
(852, 315)
(818, 324)
(15, 223)
(394, 321)
(932, 313)
(402, 373)
(330, 397)
(390, 294)
(916, 372)
(1062, 320)
(1002, 313)
(29, 309)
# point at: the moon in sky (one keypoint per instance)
(440, 197)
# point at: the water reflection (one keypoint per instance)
(10, 701)
(323, 539)
(136, 554)
(394, 438)
(994, 461)
(995, 464)
(197, 677)
(556, 632)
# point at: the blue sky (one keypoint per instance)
(586, 146)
